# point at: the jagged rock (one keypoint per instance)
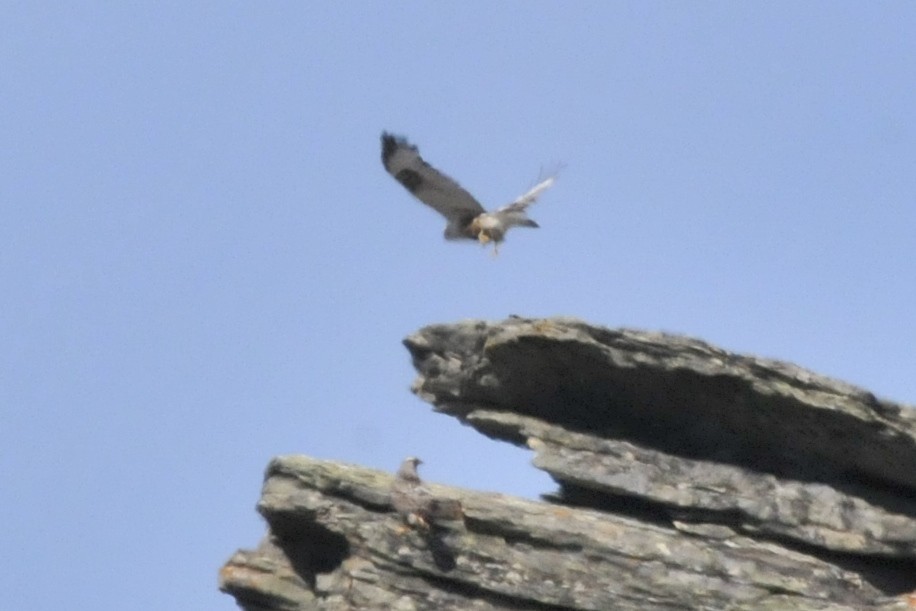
(689, 477)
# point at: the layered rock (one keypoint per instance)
(689, 477)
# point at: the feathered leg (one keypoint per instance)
(484, 238)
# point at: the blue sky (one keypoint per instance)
(205, 265)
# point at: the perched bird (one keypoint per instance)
(467, 219)
(415, 503)
(407, 472)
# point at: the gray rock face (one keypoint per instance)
(689, 478)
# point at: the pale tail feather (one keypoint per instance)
(529, 198)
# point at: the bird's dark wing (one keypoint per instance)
(408, 498)
(413, 501)
(429, 185)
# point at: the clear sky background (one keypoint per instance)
(204, 264)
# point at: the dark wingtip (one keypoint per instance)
(389, 146)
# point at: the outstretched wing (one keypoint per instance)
(429, 185)
(528, 198)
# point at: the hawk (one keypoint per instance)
(467, 219)
(415, 503)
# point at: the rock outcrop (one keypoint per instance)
(689, 478)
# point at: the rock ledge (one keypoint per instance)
(689, 477)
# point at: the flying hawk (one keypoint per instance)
(467, 219)
(415, 503)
